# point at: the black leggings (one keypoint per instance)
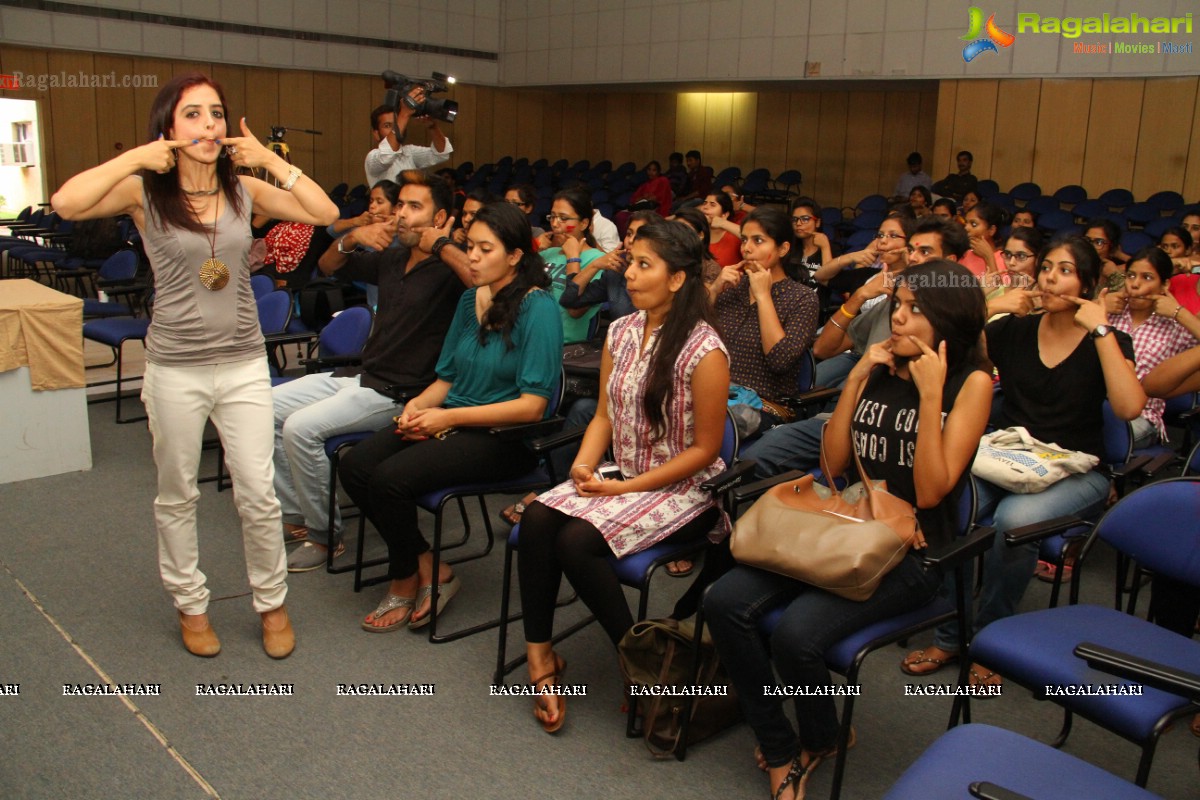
(1174, 605)
(385, 474)
(554, 544)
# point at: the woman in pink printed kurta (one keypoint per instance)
(634, 521)
(666, 375)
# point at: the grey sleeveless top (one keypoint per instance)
(193, 326)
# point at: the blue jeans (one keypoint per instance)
(814, 621)
(796, 445)
(832, 372)
(308, 411)
(1008, 570)
(580, 413)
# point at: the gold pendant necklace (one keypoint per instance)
(214, 275)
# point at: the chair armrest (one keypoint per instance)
(1041, 530)
(1158, 464)
(816, 397)
(1132, 465)
(316, 364)
(751, 491)
(722, 483)
(1144, 671)
(526, 430)
(298, 337)
(985, 790)
(553, 442)
(963, 548)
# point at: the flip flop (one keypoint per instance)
(390, 603)
(986, 679)
(675, 572)
(918, 657)
(1046, 571)
(560, 666)
(511, 516)
(446, 591)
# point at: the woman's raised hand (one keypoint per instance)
(1091, 313)
(159, 155)
(928, 371)
(572, 247)
(1165, 305)
(246, 150)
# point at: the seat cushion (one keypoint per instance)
(970, 753)
(1035, 650)
(115, 330)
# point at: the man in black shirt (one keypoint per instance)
(420, 281)
(957, 184)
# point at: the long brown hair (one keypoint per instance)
(163, 192)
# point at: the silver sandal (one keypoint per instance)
(390, 603)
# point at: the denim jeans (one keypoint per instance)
(796, 445)
(308, 411)
(1008, 570)
(832, 372)
(814, 621)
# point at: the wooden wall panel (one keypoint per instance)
(1063, 110)
(975, 122)
(942, 161)
(689, 121)
(117, 125)
(296, 111)
(802, 153)
(845, 142)
(742, 135)
(529, 125)
(666, 112)
(1169, 124)
(643, 131)
(771, 131)
(70, 110)
(830, 177)
(552, 129)
(901, 115)
(504, 123)
(1016, 132)
(618, 138)
(1112, 137)
(864, 132)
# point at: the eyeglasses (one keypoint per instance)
(561, 218)
(1020, 258)
(516, 203)
(802, 220)
(884, 236)
(1099, 242)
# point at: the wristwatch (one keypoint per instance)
(1100, 331)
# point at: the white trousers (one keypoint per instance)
(237, 396)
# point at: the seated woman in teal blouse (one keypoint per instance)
(567, 248)
(499, 365)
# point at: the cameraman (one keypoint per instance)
(390, 158)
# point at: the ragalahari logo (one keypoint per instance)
(977, 45)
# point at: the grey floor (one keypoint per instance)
(80, 602)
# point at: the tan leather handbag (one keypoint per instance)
(842, 542)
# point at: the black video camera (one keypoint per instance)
(399, 86)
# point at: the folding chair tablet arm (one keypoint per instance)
(321, 363)
(729, 479)
(1143, 670)
(815, 398)
(1037, 531)
(985, 790)
(527, 430)
(961, 550)
(752, 491)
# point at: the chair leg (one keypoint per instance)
(120, 378)
(1061, 739)
(505, 590)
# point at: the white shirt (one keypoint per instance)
(384, 162)
(605, 232)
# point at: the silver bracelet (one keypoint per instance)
(339, 247)
(293, 176)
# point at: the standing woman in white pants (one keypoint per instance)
(204, 350)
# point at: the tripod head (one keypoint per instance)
(279, 131)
